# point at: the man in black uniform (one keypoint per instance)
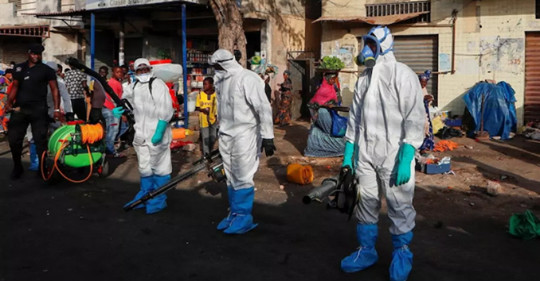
(28, 103)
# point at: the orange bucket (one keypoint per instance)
(300, 174)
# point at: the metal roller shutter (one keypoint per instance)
(420, 53)
(532, 77)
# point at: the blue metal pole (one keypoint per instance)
(184, 66)
(92, 39)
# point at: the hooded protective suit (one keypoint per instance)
(386, 117)
(245, 118)
(152, 111)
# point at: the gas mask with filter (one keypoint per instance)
(372, 46)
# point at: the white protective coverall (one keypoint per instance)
(148, 109)
(387, 111)
(245, 118)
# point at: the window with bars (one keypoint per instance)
(388, 9)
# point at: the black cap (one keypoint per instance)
(9, 70)
(36, 48)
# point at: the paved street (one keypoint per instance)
(80, 232)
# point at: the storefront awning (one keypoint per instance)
(383, 20)
(69, 13)
(40, 31)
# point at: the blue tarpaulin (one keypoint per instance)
(499, 109)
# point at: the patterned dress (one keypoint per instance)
(283, 117)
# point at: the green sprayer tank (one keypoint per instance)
(75, 154)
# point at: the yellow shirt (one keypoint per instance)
(207, 101)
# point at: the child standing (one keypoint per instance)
(206, 104)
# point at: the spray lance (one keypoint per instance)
(211, 162)
(128, 109)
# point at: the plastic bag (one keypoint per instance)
(339, 124)
(525, 226)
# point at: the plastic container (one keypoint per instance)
(178, 133)
(192, 99)
(168, 72)
(453, 122)
(436, 168)
(300, 174)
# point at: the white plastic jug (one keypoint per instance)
(192, 99)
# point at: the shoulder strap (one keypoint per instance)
(150, 84)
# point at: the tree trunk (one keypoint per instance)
(230, 26)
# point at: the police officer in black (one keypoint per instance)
(27, 102)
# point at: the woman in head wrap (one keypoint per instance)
(428, 99)
(283, 116)
(326, 95)
(321, 140)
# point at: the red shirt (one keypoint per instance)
(117, 88)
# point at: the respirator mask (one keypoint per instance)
(372, 47)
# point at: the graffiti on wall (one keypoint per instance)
(502, 54)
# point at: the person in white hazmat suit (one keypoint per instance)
(245, 128)
(152, 109)
(386, 125)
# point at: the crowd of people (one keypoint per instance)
(386, 125)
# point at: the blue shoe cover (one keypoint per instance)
(402, 257)
(226, 222)
(366, 255)
(240, 224)
(241, 206)
(159, 202)
(146, 186)
(34, 159)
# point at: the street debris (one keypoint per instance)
(525, 226)
(493, 188)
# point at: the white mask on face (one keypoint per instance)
(143, 78)
(219, 74)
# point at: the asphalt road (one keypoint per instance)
(80, 232)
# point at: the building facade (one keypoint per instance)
(462, 42)
(19, 28)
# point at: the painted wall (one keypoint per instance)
(58, 46)
(490, 42)
(286, 29)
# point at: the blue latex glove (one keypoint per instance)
(160, 130)
(405, 157)
(348, 155)
(117, 112)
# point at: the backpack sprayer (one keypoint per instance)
(211, 162)
(75, 145)
(79, 145)
(339, 192)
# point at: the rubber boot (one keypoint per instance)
(402, 257)
(241, 206)
(159, 202)
(366, 255)
(226, 222)
(146, 186)
(34, 159)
